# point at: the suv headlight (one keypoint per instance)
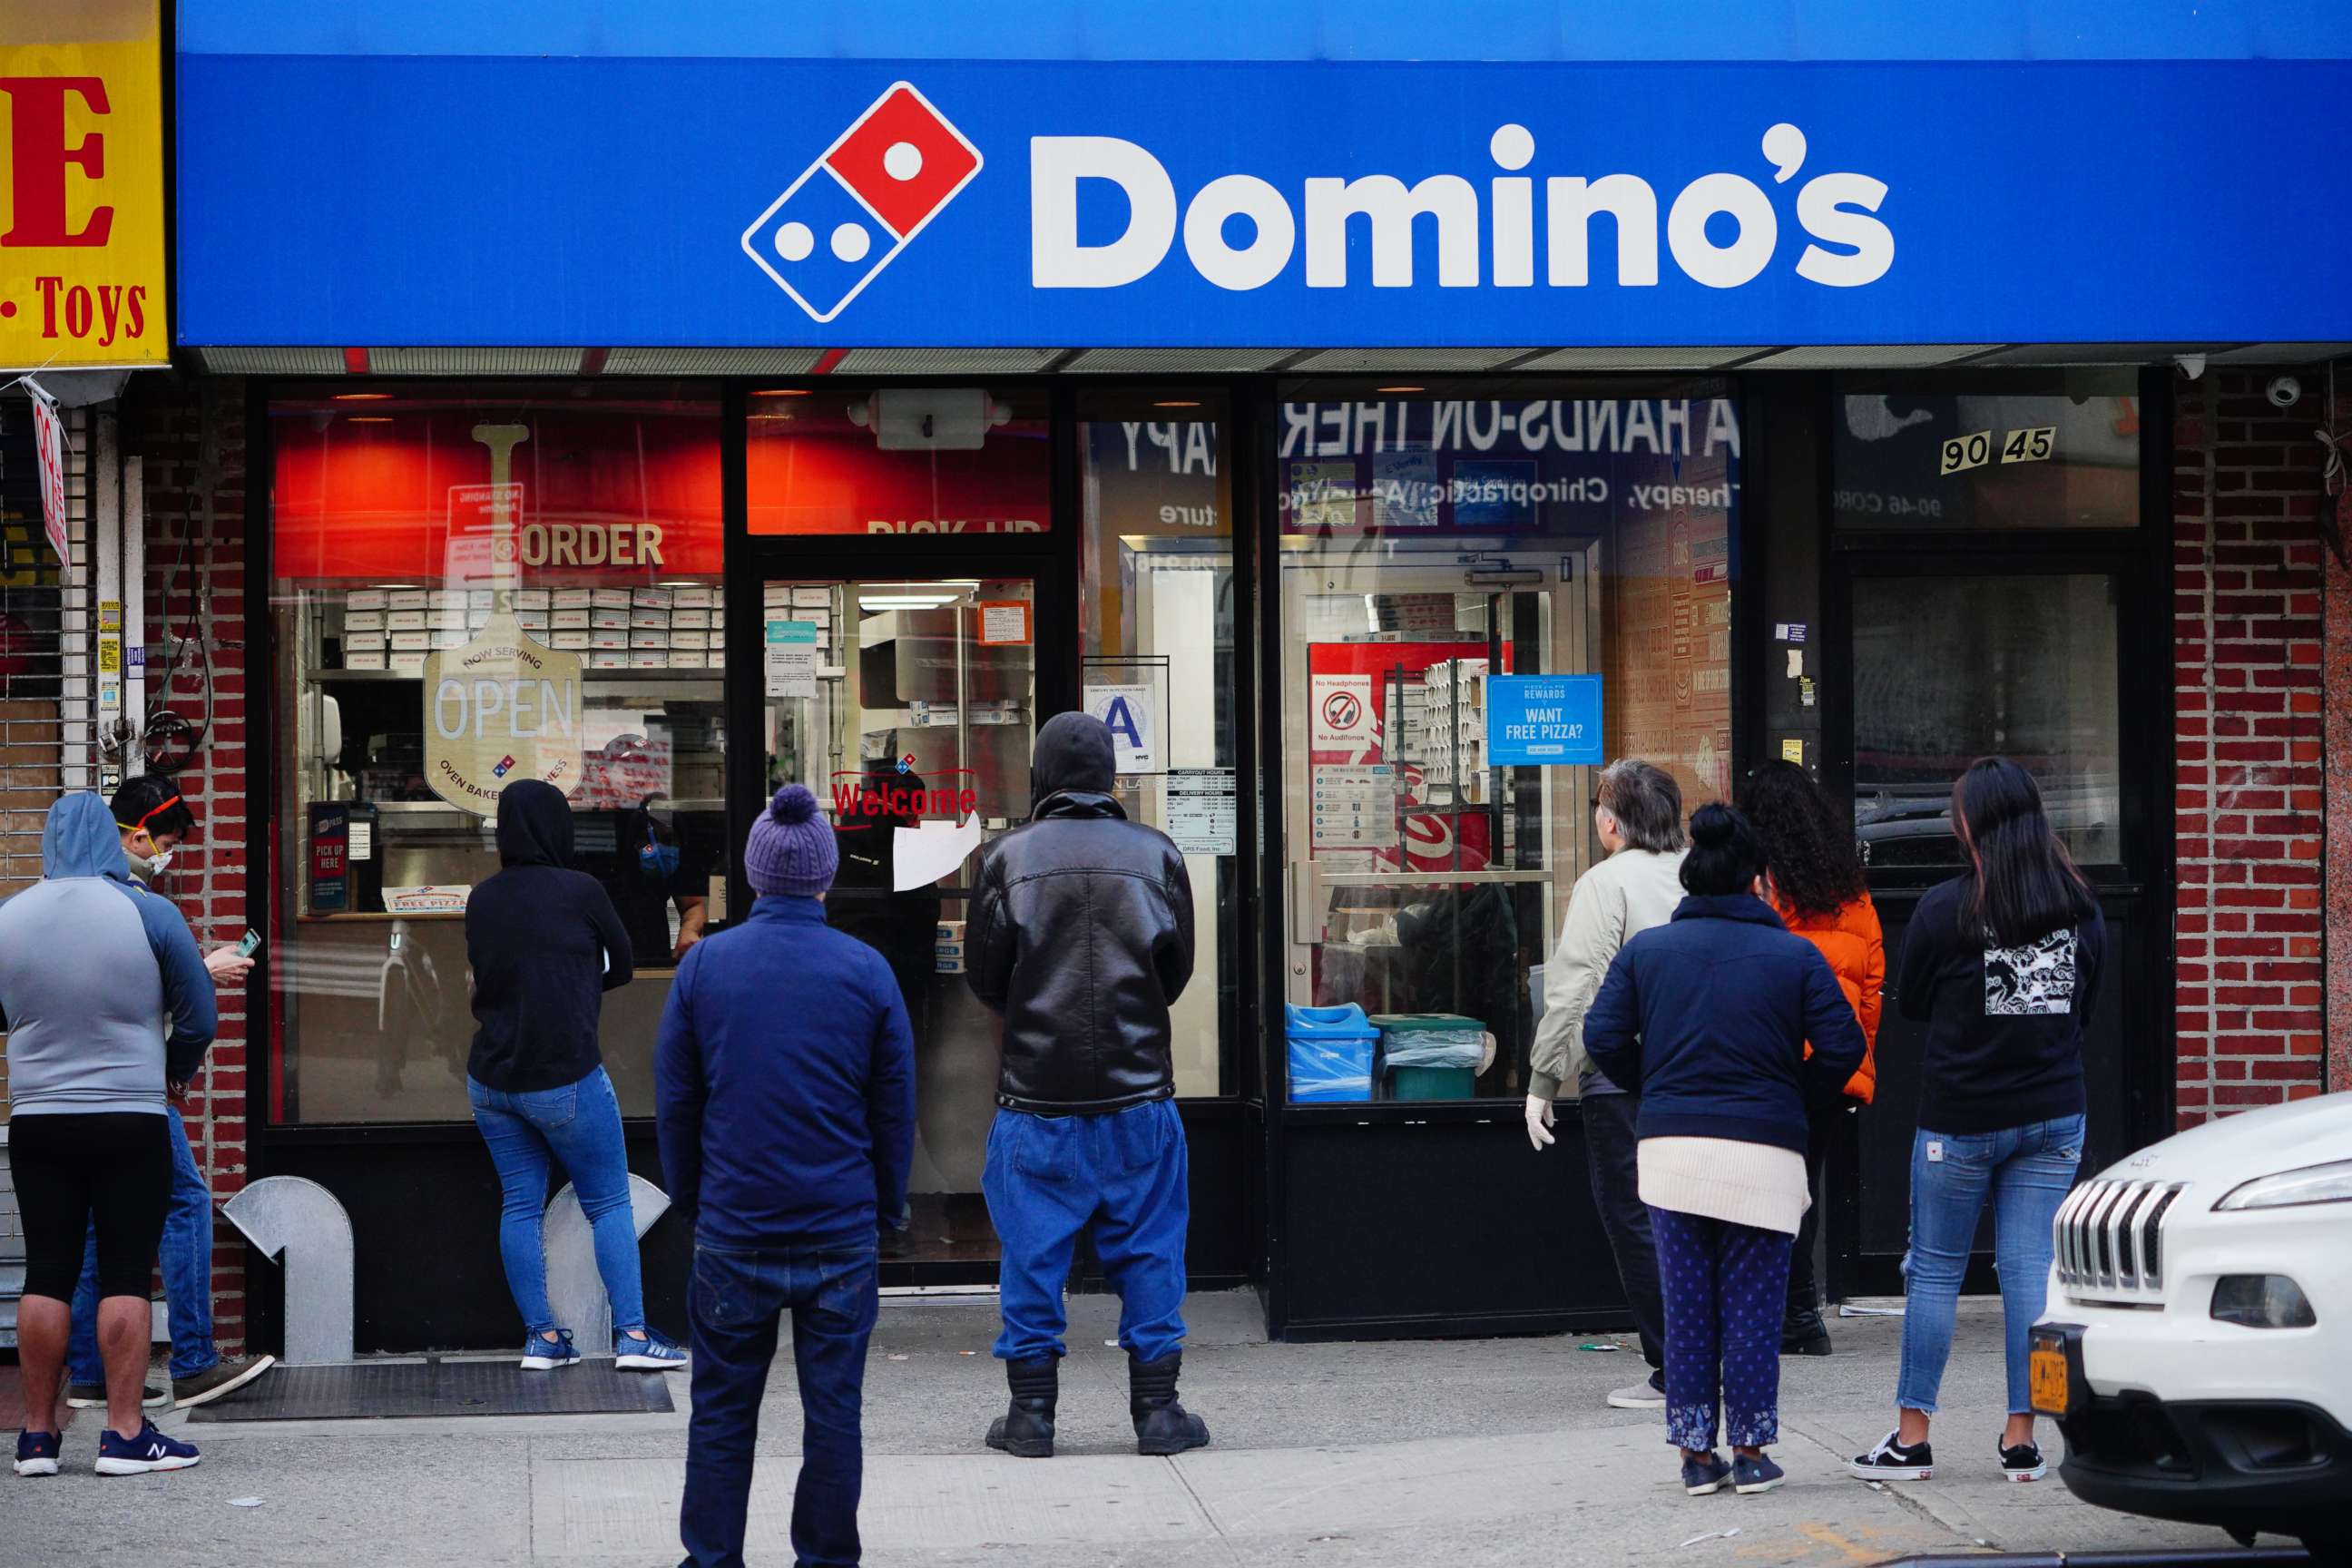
(2328, 1183)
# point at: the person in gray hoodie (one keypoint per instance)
(107, 1007)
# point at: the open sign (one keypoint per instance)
(501, 707)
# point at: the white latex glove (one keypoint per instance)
(227, 967)
(1539, 1131)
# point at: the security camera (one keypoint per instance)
(2285, 392)
(2191, 366)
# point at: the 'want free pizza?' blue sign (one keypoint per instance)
(1543, 719)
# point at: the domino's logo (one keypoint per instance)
(849, 214)
(506, 765)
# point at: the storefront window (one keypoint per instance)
(1916, 456)
(1948, 669)
(1437, 552)
(897, 460)
(1156, 588)
(468, 590)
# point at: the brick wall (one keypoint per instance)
(192, 439)
(2249, 812)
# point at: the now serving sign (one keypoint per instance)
(1543, 719)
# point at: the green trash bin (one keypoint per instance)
(1430, 1056)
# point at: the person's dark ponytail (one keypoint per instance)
(1725, 854)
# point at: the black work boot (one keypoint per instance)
(1803, 1332)
(1162, 1426)
(1026, 1430)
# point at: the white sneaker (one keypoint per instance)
(1641, 1395)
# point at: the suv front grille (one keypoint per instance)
(2109, 1239)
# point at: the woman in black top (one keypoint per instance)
(545, 944)
(2001, 963)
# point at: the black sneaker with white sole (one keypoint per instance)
(2023, 1462)
(1893, 1461)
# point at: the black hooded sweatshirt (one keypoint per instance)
(546, 945)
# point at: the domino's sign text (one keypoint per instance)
(1721, 229)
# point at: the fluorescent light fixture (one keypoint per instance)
(906, 601)
(363, 397)
(779, 392)
(369, 418)
(1400, 389)
(1177, 403)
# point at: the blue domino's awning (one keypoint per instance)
(1498, 182)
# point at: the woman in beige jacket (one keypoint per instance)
(1638, 815)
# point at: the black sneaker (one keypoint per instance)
(92, 1396)
(1892, 1461)
(1705, 1476)
(2023, 1462)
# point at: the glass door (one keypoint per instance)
(909, 707)
(1422, 877)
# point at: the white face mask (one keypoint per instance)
(160, 863)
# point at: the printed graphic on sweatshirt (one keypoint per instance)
(2036, 978)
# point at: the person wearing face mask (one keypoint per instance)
(1637, 814)
(652, 870)
(154, 821)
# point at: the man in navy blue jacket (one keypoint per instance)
(784, 1084)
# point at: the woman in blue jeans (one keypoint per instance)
(2001, 963)
(545, 944)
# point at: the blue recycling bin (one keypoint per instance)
(1330, 1054)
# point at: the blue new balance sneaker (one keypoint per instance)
(37, 1453)
(651, 1353)
(151, 1450)
(542, 1354)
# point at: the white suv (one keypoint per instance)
(2197, 1349)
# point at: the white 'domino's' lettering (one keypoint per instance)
(531, 707)
(1852, 247)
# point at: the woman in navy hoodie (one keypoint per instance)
(1709, 1014)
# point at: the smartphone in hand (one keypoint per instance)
(249, 944)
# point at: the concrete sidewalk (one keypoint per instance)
(1469, 1453)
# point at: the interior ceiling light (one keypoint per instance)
(906, 601)
(369, 418)
(1400, 389)
(781, 392)
(361, 396)
(1177, 403)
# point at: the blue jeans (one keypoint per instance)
(2028, 1171)
(1726, 1287)
(187, 1264)
(735, 1303)
(1047, 1177)
(580, 1125)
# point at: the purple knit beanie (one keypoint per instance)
(792, 851)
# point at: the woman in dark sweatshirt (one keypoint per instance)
(546, 945)
(2001, 963)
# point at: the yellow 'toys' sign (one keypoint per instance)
(81, 184)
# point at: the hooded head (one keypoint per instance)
(1074, 755)
(534, 825)
(81, 840)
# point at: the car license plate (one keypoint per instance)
(2046, 1373)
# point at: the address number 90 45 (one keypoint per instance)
(1962, 453)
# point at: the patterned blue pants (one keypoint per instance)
(1726, 1287)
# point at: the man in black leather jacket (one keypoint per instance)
(1081, 936)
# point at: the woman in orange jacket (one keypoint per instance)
(1813, 873)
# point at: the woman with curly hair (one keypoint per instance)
(1814, 876)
